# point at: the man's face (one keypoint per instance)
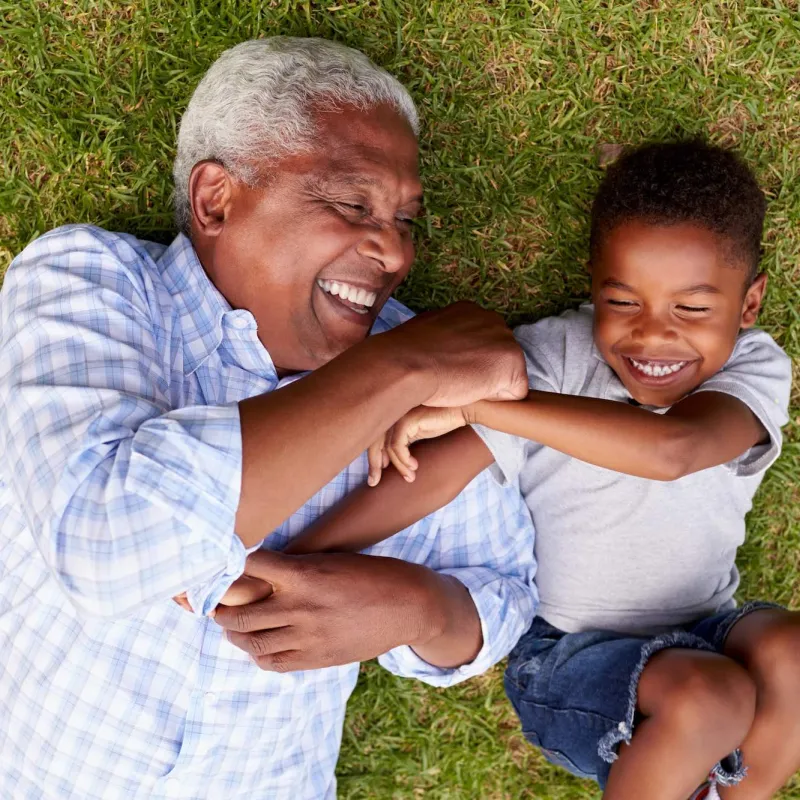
(316, 251)
(669, 306)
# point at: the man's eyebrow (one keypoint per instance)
(349, 181)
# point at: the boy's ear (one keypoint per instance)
(752, 301)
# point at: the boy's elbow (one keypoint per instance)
(674, 456)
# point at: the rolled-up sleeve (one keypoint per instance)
(130, 500)
(484, 538)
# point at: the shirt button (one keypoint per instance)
(172, 784)
(210, 697)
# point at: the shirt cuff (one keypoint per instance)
(205, 598)
(164, 470)
(501, 626)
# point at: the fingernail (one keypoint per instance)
(370, 481)
(212, 613)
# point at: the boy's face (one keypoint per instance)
(669, 304)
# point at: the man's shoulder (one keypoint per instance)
(92, 240)
(72, 257)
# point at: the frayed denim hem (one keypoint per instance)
(728, 774)
(730, 770)
(737, 615)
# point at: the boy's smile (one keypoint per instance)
(669, 303)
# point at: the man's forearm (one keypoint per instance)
(296, 440)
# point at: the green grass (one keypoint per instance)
(517, 98)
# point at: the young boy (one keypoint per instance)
(653, 415)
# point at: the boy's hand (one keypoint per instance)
(423, 422)
(242, 591)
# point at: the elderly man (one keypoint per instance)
(147, 452)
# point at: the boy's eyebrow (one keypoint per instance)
(701, 288)
(613, 283)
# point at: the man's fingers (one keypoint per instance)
(269, 613)
(287, 661)
(266, 642)
(275, 568)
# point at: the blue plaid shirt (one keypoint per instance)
(120, 371)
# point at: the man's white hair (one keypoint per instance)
(254, 104)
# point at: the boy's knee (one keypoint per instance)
(711, 697)
(775, 657)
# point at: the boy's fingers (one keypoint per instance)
(183, 602)
(400, 465)
(246, 590)
(376, 457)
(401, 440)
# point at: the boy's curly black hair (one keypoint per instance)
(667, 183)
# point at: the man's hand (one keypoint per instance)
(421, 423)
(338, 608)
(468, 353)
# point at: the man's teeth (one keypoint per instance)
(344, 291)
(655, 369)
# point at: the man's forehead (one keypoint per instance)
(360, 170)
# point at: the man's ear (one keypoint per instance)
(752, 301)
(210, 190)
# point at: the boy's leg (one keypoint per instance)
(767, 644)
(697, 708)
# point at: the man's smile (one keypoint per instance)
(354, 297)
(348, 302)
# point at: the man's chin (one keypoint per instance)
(334, 344)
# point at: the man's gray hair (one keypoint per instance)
(254, 105)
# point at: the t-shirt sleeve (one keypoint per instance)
(544, 345)
(759, 374)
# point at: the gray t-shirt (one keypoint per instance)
(622, 553)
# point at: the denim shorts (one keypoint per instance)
(575, 693)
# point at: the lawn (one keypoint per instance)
(519, 100)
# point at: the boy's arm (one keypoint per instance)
(369, 515)
(701, 431)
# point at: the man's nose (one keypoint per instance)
(386, 245)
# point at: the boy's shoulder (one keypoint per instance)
(560, 347)
(571, 330)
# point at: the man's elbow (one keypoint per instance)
(94, 598)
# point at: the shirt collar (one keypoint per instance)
(199, 303)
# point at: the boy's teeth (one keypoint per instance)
(344, 291)
(657, 370)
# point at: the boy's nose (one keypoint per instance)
(652, 328)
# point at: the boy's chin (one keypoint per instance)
(655, 398)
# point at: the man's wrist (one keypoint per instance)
(410, 367)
